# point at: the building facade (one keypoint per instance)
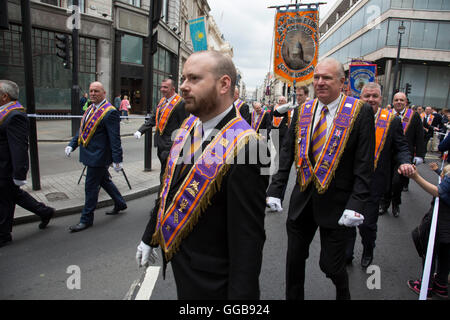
(369, 30)
(114, 48)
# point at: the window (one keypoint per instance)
(136, 3)
(131, 51)
(52, 2)
(162, 63)
(81, 4)
(52, 82)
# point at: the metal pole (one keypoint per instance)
(149, 88)
(75, 109)
(394, 87)
(29, 86)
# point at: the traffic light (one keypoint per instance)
(63, 51)
(407, 88)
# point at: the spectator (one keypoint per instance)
(437, 284)
(124, 107)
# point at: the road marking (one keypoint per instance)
(142, 289)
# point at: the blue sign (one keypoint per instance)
(359, 75)
(198, 34)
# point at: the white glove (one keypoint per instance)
(274, 204)
(285, 107)
(118, 166)
(351, 218)
(137, 134)
(68, 150)
(417, 160)
(145, 254)
(19, 183)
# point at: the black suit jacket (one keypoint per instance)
(349, 188)
(228, 239)
(245, 113)
(14, 147)
(266, 125)
(430, 128)
(415, 136)
(164, 142)
(105, 146)
(395, 150)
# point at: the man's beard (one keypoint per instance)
(203, 105)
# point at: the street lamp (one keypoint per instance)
(401, 30)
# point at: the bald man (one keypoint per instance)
(413, 130)
(100, 146)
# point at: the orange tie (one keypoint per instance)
(320, 134)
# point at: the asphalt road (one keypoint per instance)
(40, 264)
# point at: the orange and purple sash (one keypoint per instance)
(91, 120)
(430, 119)
(163, 112)
(382, 124)
(257, 119)
(323, 171)
(14, 105)
(406, 119)
(176, 219)
(239, 104)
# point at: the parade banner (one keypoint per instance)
(359, 75)
(197, 27)
(296, 45)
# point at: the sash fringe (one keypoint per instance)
(321, 190)
(204, 203)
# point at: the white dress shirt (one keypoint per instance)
(332, 110)
(209, 125)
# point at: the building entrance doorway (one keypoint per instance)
(133, 89)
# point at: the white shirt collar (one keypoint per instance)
(209, 125)
(98, 105)
(332, 107)
(171, 98)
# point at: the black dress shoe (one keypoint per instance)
(395, 210)
(115, 210)
(79, 227)
(46, 219)
(366, 260)
(382, 210)
(4, 240)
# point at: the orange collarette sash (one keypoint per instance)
(430, 120)
(276, 121)
(323, 171)
(382, 124)
(89, 125)
(177, 218)
(163, 112)
(13, 105)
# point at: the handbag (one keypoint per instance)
(421, 233)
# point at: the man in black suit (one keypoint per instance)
(413, 130)
(14, 130)
(100, 146)
(261, 120)
(431, 123)
(334, 162)
(390, 143)
(167, 117)
(209, 219)
(242, 106)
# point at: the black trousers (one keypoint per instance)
(333, 244)
(394, 195)
(26, 201)
(367, 230)
(7, 207)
